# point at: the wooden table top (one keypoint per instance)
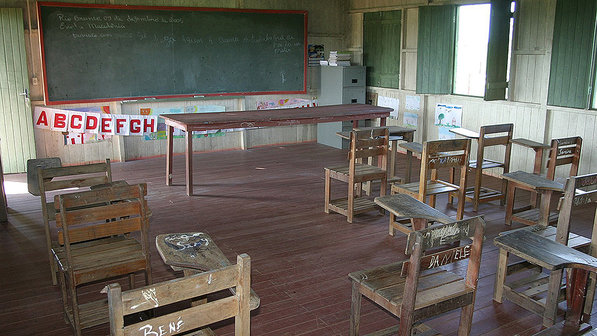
(194, 250)
(533, 181)
(278, 117)
(415, 147)
(529, 143)
(543, 252)
(393, 131)
(403, 205)
(465, 133)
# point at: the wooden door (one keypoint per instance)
(16, 125)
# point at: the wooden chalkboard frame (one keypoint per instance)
(56, 100)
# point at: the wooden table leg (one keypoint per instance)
(189, 162)
(409, 155)
(500, 276)
(382, 122)
(170, 140)
(576, 299)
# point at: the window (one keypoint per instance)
(381, 48)
(472, 37)
(572, 62)
(460, 52)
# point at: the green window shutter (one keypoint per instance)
(381, 48)
(435, 49)
(497, 50)
(571, 53)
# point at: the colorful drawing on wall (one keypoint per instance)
(285, 103)
(447, 117)
(393, 103)
(410, 119)
(161, 129)
(413, 103)
(73, 138)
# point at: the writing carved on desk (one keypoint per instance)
(186, 241)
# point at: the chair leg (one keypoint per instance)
(451, 180)
(75, 307)
(477, 192)
(327, 191)
(466, 319)
(391, 231)
(500, 276)
(510, 204)
(132, 281)
(551, 301)
(504, 192)
(355, 310)
(350, 205)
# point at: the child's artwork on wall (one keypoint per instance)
(393, 103)
(410, 119)
(285, 103)
(446, 117)
(178, 133)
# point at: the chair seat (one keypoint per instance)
(363, 172)
(386, 286)
(100, 254)
(433, 188)
(531, 216)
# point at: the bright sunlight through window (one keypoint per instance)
(472, 37)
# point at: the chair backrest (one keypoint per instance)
(106, 212)
(440, 235)
(368, 144)
(133, 301)
(564, 151)
(497, 135)
(440, 154)
(579, 190)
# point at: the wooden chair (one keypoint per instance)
(52, 178)
(174, 291)
(363, 145)
(96, 230)
(556, 257)
(419, 287)
(563, 151)
(489, 136)
(436, 155)
(540, 292)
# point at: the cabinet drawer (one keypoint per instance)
(353, 76)
(353, 95)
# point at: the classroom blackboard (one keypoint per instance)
(106, 53)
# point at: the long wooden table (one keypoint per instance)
(189, 122)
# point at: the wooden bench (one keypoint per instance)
(236, 277)
(46, 177)
(420, 287)
(401, 206)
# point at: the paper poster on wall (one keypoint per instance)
(447, 117)
(75, 138)
(393, 103)
(274, 104)
(316, 53)
(413, 103)
(99, 124)
(178, 133)
(410, 119)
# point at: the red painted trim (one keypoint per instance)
(143, 98)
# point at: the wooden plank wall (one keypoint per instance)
(527, 104)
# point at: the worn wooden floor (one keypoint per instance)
(267, 202)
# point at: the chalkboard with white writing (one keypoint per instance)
(104, 53)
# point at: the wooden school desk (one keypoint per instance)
(190, 122)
